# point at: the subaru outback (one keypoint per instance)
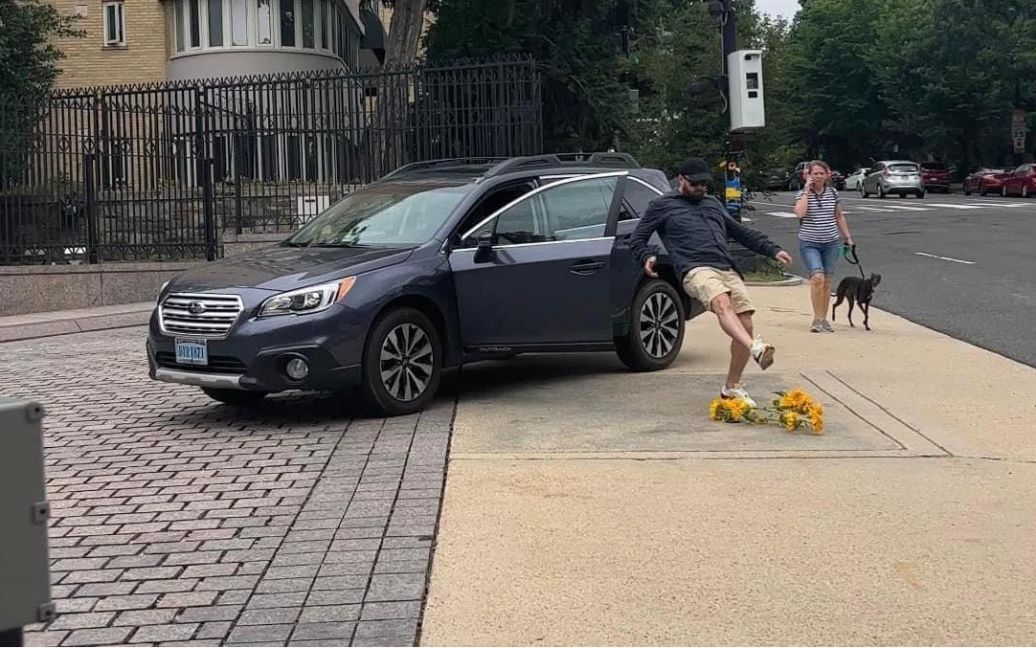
(437, 264)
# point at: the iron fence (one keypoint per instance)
(163, 171)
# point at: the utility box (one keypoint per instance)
(745, 79)
(24, 510)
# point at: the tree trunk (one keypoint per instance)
(404, 35)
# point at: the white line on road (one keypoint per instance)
(953, 206)
(783, 214)
(936, 256)
(909, 208)
(874, 209)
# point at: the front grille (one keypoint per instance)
(217, 364)
(212, 317)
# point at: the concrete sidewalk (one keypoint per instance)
(585, 505)
(39, 325)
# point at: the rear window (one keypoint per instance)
(903, 168)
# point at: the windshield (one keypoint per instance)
(382, 215)
(903, 168)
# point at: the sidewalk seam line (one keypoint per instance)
(883, 409)
(901, 445)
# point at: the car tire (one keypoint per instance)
(236, 397)
(1025, 191)
(881, 191)
(921, 194)
(383, 391)
(654, 339)
(967, 192)
(863, 191)
(1003, 191)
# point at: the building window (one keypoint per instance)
(178, 27)
(265, 23)
(194, 31)
(239, 21)
(114, 24)
(287, 23)
(308, 26)
(325, 24)
(215, 23)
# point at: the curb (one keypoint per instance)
(68, 326)
(792, 280)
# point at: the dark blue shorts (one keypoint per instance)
(820, 257)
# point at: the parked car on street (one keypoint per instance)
(984, 181)
(893, 176)
(837, 180)
(435, 265)
(855, 180)
(1020, 182)
(797, 178)
(935, 176)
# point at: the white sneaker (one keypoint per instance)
(737, 391)
(762, 353)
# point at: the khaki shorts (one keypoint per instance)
(705, 284)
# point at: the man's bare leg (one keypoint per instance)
(730, 322)
(739, 355)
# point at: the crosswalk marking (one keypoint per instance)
(874, 209)
(910, 208)
(953, 206)
(783, 214)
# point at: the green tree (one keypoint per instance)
(28, 57)
(577, 46)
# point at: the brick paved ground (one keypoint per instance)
(177, 519)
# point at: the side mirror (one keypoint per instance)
(484, 250)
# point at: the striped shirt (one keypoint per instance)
(819, 224)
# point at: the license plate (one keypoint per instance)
(192, 352)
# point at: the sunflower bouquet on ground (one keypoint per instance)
(792, 410)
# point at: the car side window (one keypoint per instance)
(636, 198)
(579, 210)
(487, 206)
(522, 223)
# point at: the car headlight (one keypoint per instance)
(161, 290)
(307, 300)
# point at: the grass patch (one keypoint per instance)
(766, 270)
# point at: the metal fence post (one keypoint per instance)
(208, 199)
(89, 180)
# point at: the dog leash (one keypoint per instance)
(848, 250)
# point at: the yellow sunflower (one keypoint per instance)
(816, 418)
(790, 420)
(796, 400)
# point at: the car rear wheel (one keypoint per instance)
(1025, 191)
(881, 191)
(656, 328)
(402, 364)
(235, 397)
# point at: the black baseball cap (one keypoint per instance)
(695, 169)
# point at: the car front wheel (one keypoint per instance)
(402, 364)
(656, 328)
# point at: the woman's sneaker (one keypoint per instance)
(762, 353)
(817, 327)
(826, 325)
(737, 391)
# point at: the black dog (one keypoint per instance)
(860, 291)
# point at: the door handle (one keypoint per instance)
(586, 267)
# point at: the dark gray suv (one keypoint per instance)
(435, 265)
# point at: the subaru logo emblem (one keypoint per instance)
(196, 308)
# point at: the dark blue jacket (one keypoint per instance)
(695, 234)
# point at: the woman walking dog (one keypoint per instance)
(821, 221)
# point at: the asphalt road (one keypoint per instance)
(962, 265)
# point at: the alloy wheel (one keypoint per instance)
(407, 362)
(659, 325)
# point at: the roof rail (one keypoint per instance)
(527, 162)
(609, 158)
(431, 164)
